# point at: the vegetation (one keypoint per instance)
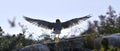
(108, 24)
(9, 42)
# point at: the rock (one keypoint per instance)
(113, 40)
(73, 44)
(35, 47)
(107, 40)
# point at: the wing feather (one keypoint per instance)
(75, 21)
(41, 23)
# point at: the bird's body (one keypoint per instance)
(58, 25)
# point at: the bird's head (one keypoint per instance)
(57, 21)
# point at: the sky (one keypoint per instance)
(51, 10)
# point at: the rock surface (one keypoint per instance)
(75, 44)
(107, 40)
(113, 40)
(35, 47)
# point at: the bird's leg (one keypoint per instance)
(57, 39)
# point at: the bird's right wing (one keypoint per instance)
(41, 23)
(74, 21)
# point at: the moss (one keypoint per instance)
(105, 44)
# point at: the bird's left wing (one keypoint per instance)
(73, 22)
(41, 23)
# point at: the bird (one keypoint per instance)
(12, 22)
(58, 25)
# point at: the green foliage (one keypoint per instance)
(111, 48)
(110, 23)
(89, 40)
(1, 32)
(8, 42)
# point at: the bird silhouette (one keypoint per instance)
(12, 22)
(58, 25)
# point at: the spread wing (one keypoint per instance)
(41, 23)
(73, 22)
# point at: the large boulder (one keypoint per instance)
(35, 47)
(113, 40)
(107, 40)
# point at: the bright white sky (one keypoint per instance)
(50, 10)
